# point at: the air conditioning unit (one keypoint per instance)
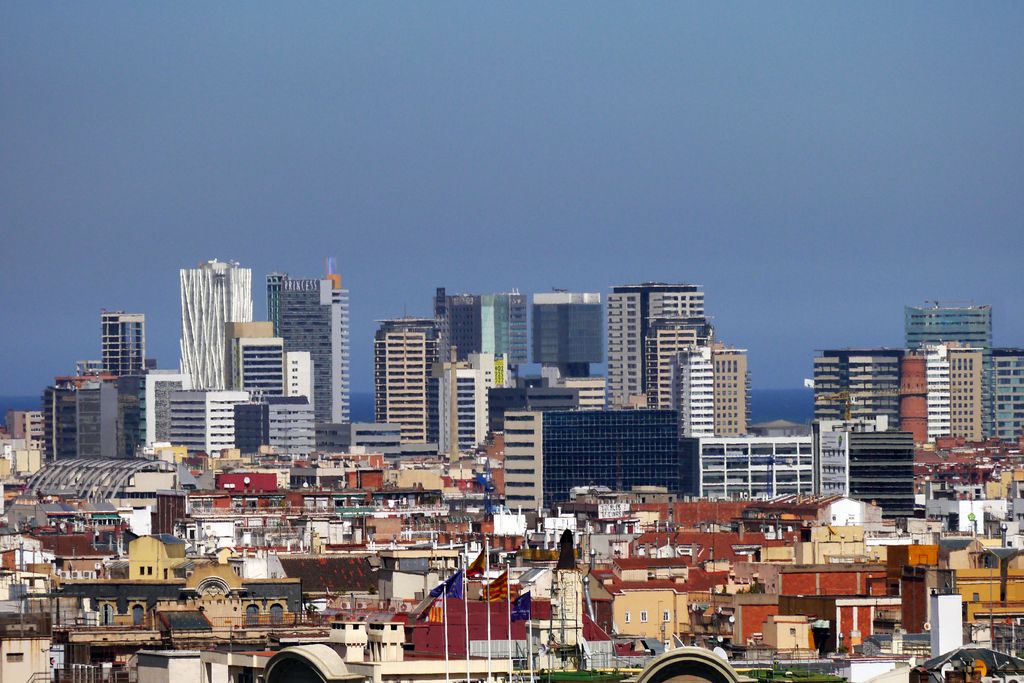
(404, 607)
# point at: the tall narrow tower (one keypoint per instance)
(213, 294)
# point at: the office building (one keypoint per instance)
(123, 342)
(462, 400)
(1008, 393)
(254, 359)
(96, 420)
(632, 310)
(158, 386)
(753, 467)
(865, 460)
(592, 391)
(25, 424)
(405, 389)
(864, 381)
(482, 323)
(314, 318)
(213, 294)
(369, 437)
(567, 332)
(204, 421)
(60, 420)
(693, 380)
(530, 394)
(274, 283)
(731, 390)
(549, 453)
(298, 374)
(967, 325)
(955, 380)
(284, 424)
(665, 339)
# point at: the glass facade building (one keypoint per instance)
(568, 331)
(1008, 393)
(968, 325)
(618, 449)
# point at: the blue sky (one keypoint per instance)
(814, 165)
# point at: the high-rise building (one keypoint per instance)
(693, 381)
(60, 421)
(314, 318)
(955, 382)
(482, 323)
(213, 294)
(866, 381)
(549, 453)
(967, 325)
(632, 310)
(731, 390)
(254, 359)
(462, 401)
(865, 460)
(1008, 393)
(282, 423)
(567, 332)
(274, 282)
(123, 342)
(204, 421)
(665, 339)
(156, 406)
(405, 389)
(298, 374)
(25, 424)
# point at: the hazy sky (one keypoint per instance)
(814, 165)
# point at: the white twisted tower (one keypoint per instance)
(211, 295)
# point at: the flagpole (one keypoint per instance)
(529, 642)
(508, 609)
(487, 601)
(465, 602)
(444, 611)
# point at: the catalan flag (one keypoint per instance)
(497, 590)
(476, 568)
(436, 613)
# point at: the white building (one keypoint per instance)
(290, 424)
(592, 391)
(832, 452)
(469, 395)
(156, 412)
(693, 381)
(937, 373)
(298, 374)
(204, 420)
(213, 294)
(755, 467)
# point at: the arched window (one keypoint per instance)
(107, 615)
(137, 614)
(276, 614)
(252, 614)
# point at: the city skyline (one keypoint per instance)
(813, 183)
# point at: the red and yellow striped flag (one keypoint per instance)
(497, 590)
(436, 614)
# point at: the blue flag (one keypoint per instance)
(521, 608)
(451, 587)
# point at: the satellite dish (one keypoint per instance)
(732, 619)
(247, 481)
(927, 626)
(721, 654)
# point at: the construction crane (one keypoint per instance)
(848, 398)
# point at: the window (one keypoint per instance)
(665, 616)
(15, 656)
(643, 616)
(628, 617)
(792, 632)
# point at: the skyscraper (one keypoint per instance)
(482, 323)
(632, 310)
(254, 360)
(1008, 393)
(567, 331)
(966, 324)
(123, 342)
(405, 389)
(274, 281)
(314, 318)
(213, 294)
(866, 380)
